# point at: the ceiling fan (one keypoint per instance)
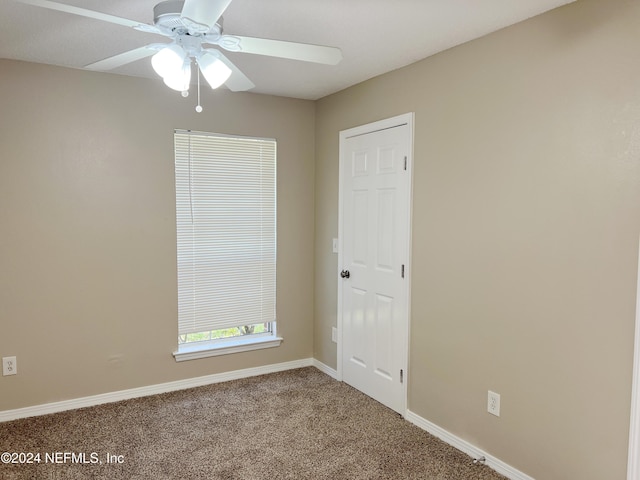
(192, 25)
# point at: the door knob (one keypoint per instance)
(345, 274)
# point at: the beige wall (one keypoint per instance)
(88, 299)
(525, 234)
(526, 224)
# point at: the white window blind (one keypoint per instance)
(226, 231)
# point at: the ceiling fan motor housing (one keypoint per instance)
(168, 15)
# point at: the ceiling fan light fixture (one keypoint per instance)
(180, 78)
(213, 69)
(169, 60)
(191, 24)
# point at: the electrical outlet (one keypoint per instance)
(334, 334)
(493, 403)
(9, 366)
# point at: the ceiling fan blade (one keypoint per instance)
(238, 81)
(203, 14)
(83, 12)
(122, 59)
(295, 51)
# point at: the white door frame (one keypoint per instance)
(404, 119)
(633, 465)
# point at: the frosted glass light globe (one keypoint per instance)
(169, 60)
(213, 69)
(179, 79)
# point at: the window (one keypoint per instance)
(226, 237)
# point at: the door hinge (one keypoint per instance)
(401, 376)
(405, 162)
(402, 271)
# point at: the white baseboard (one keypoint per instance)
(93, 400)
(325, 369)
(464, 446)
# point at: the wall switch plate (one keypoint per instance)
(335, 245)
(9, 366)
(334, 334)
(493, 403)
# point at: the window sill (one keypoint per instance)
(192, 352)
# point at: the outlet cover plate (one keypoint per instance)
(9, 366)
(493, 403)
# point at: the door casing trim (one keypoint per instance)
(633, 461)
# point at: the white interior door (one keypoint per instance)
(375, 199)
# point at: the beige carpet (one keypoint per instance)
(299, 424)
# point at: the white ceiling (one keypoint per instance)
(376, 36)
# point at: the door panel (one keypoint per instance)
(360, 228)
(385, 246)
(383, 330)
(359, 327)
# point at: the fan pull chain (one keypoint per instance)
(198, 107)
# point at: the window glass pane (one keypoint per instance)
(255, 329)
